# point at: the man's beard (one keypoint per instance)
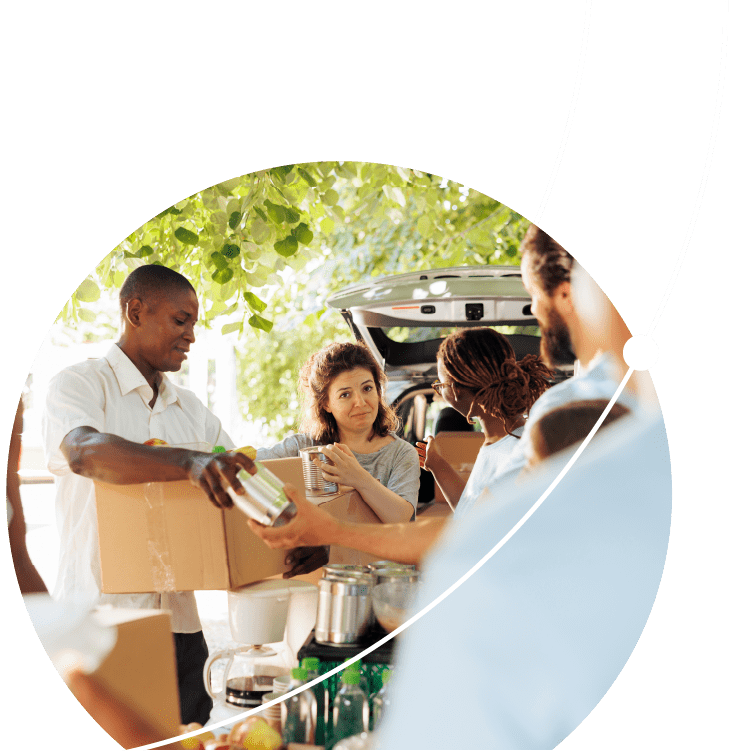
(555, 347)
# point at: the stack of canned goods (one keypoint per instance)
(345, 612)
(345, 609)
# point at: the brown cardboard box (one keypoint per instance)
(460, 448)
(141, 671)
(168, 537)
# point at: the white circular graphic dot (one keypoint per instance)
(640, 352)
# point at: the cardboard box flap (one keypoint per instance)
(141, 670)
(460, 448)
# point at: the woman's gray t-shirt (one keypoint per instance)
(396, 465)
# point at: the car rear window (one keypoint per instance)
(424, 334)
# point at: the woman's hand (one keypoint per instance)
(428, 454)
(346, 470)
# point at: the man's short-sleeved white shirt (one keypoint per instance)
(110, 395)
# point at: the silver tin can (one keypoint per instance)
(387, 564)
(345, 609)
(391, 575)
(348, 570)
(315, 483)
(264, 500)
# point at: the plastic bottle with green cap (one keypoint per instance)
(364, 684)
(381, 700)
(351, 713)
(299, 712)
(311, 664)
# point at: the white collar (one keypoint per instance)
(129, 378)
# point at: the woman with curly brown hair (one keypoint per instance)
(345, 411)
(479, 376)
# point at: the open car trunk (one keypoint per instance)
(404, 318)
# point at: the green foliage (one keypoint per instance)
(268, 366)
(280, 241)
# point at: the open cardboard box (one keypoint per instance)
(460, 449)
(167, 536)
(141, 670)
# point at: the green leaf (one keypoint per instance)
(260, 323)
(424, 226)
(306, 176)
(231, 327)
(234, 219)
(327, 225)
(259, 231)
(330, 197)
(220, 262)
(303, 234)
(254, 301)
(291, 215)
(86, 315)
(231, 250)
(398, 196)
(260, 213)
(403, 174)
(276, 212)
(222, 276)
(188, 237)
(144, 251)
(286, 247)
(88, 291)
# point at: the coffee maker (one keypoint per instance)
(262, 613)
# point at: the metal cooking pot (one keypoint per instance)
(345, 609)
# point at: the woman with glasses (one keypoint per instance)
(345, 411)
(479, 376)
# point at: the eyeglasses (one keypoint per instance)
(438, 387)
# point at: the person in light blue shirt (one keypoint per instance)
(539, 633)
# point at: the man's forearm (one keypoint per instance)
(399, 542)
(107, 457)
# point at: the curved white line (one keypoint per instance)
(707, 167)
(587, 440)
(571, 111)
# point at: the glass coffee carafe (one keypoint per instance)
(257, 617)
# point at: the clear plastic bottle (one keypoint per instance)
(364, 684)
(320, 691)
(381, 700)
(299, 712)
(351, 712)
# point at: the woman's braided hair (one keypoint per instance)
(482, 361)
